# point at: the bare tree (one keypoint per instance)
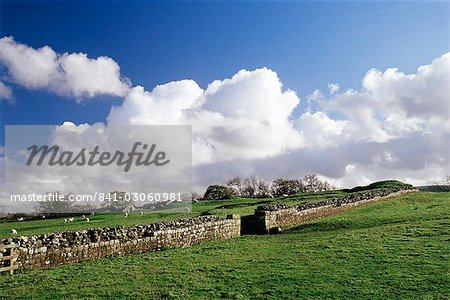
(314, 184)
(282, 186)
(249, 187)
(235, 184)
(252, 187)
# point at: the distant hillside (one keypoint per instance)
(379, 185)
(434, 188)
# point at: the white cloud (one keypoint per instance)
(423, 94)
(164, 105)
(5, 91)
(243, 117)
(319, 130)
(243, 126)
(333, 87)
(316, 95)
(73, 75)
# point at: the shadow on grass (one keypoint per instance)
(228, 206)
(327, 226)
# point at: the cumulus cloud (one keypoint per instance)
(246, 116)
(390, 128)
(319, 130)
(401, 122)
(5, 92)
(73, 75)
(423, 94)
(391, 103)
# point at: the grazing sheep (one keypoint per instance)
(13, 231)
(65, 221)
(87, 219)
(92, 213)
(83, 217)
(126, 215)
(43, 217)
(285, 195)
(20, 219)
(71, 219)
(187, 209)
(141, 212)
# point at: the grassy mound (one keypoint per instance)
(379, 185)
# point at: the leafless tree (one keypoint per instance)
(235, 184)
(282, 186)
(314, 184)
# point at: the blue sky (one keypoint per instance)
(309, 44)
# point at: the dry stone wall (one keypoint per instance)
(44, 251)
(269, 218)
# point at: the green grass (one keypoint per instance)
(380, 185)
(241, 206)
(393, 249)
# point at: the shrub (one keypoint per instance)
(218, 192)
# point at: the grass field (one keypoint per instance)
(393, 249)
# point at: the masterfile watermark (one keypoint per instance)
(94, 157)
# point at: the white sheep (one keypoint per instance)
(13, 231)
(92, 213)
(87, 219)
(71, 219)
(20, 219)
(65, 221)
(285, 195)
(83, 217)
(141, 212)
(187, 209)
(126, 215)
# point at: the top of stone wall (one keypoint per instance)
(350, 198)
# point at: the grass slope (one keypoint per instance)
(394, 249)
(380, 185)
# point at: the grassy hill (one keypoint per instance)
(395, 249)
(379, 185)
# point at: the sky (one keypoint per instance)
(274, 89)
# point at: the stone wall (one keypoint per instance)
(45, 251)
(270, 218)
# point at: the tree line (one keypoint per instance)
(255, 187)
